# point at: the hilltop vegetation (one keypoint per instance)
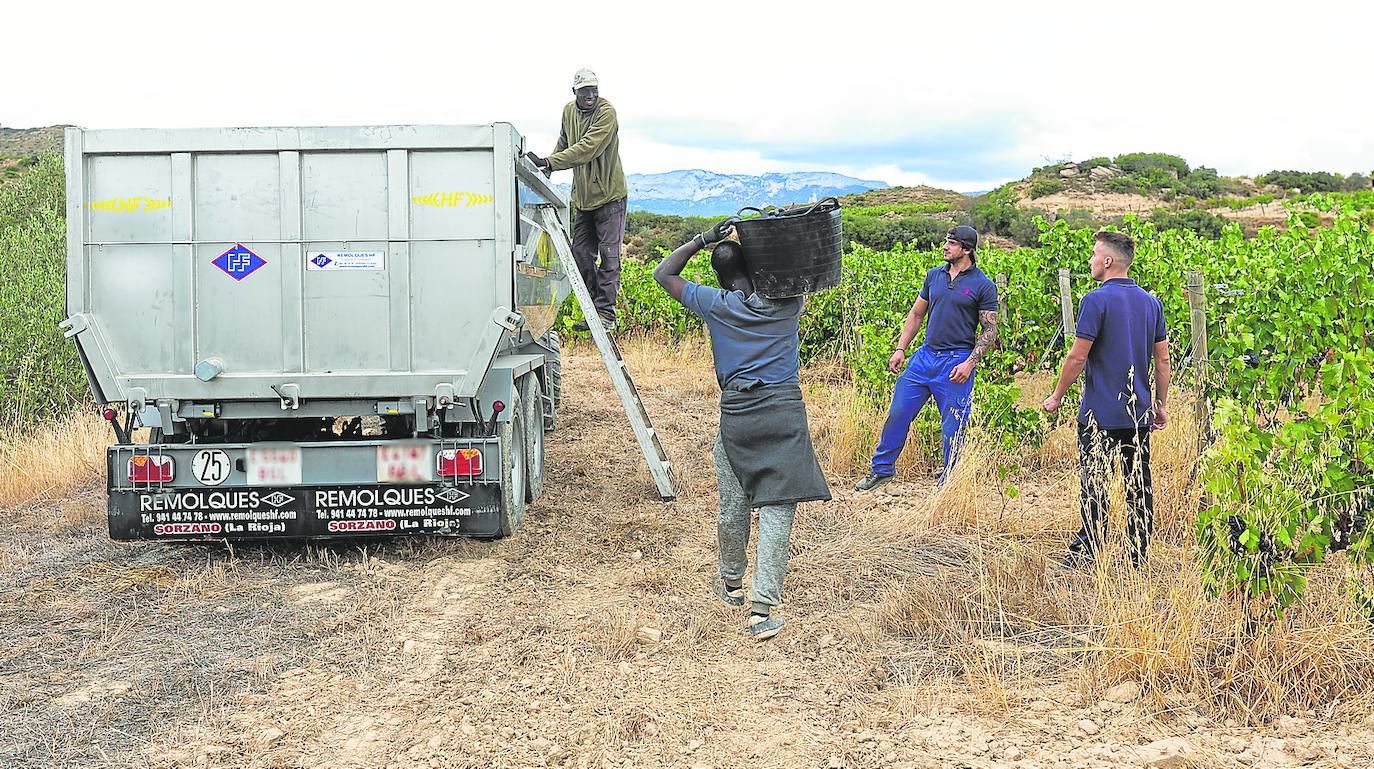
(1162, 187)
(30, 142)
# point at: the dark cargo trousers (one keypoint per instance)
(600, 230)
(1100, 452)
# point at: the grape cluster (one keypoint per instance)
(1266, 552)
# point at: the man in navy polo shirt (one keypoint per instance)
(1120, 330)
(959, 299)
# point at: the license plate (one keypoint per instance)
(274, 466)
(405, 463)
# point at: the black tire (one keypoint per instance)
(531, 399)
(513, 466)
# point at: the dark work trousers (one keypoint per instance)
(600, 230)
(1100, 452)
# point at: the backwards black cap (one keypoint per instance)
(965, 236)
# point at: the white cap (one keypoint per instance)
(583, 78)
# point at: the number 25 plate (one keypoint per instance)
(404, 464)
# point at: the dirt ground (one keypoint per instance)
(588, 640)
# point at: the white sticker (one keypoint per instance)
(317, 261)
(211, 466)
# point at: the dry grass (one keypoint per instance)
(49, 462)
(916, 617)
(967, 569)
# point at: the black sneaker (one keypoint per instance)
(871, 482)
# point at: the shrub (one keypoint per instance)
(1305, 181)
(1201, 183)
(40, 376)
(883, 233)
(1204, 223)
(1124, 184)
(1043, 187)
(1146, 163)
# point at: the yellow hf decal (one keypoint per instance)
(452, 199)
(130, 205)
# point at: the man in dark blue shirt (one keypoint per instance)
(958, 298)
(763, 453)
(1120, 331)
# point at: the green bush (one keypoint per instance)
(883, 233)
(1123, 184)
(1305, 181)
(1146, 164)
(1201, 183)
(1042, 187)
(40, 376)
(1204, 223)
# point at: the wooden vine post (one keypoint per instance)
(1001, 299)
(1066, 306)
(1197, 315)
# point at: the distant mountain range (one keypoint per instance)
(702, 193)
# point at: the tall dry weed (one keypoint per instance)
(52, 460)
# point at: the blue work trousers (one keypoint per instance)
(926, 376)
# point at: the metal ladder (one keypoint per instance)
(649, 444)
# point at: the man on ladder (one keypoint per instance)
(589, 144)
(763, 454)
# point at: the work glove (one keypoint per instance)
(719, 232)
(541, 163)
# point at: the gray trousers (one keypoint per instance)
(600, 231)
(732, 536)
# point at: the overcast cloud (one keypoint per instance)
(961, 95)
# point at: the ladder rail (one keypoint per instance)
(655, 456)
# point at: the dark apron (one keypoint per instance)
(766, 437)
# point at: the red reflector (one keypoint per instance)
(147, 469)
(460, 462)
(109, 415)
(498, 406)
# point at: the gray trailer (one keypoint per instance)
(325, 331)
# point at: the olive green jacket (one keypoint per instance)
(589, 144)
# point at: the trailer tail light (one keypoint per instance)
(148, 469)
(454, 462)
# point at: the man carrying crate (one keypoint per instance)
(763, 453)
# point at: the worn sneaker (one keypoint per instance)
(733, 596)
(1076, 561)
(871, 482)
(764, 626)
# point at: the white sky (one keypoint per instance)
(962, 95)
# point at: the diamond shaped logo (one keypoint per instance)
(277, 499)
(452, 496)
(238, 262)
(321, 261)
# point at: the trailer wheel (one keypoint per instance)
(513, 468)
(532, 401)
